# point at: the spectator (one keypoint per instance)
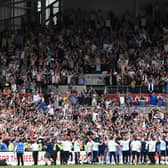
(3, 146)
(19, 149)
(35, 149)
(152, 99)
(160, 101)
(49, 150)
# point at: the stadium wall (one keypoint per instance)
(117, 6)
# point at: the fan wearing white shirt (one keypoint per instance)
(135, 148)
(112, 148)
(36, 98)
(166, 139)
(67, 146)
(35, 149)
(144, 150)
(125, 143)
(95, 150)
(163, 150)
(77, 150)
(152, 149)
(89, 151)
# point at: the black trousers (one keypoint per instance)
(66, 156)
(114, 155)
(152, 157)
(54, 156)
(61, 157)
(20, 158)
(125, 156)
(143, 156)
(95, 156)
(35, 157)
(137, 154)
(71, 155)
(77, 155)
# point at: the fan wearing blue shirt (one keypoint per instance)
(49, 150)
(19, 149)
(152, 99)
(3, 147)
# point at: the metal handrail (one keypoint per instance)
(127, 89)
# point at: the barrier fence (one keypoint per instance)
(11, 158)
(136, 97)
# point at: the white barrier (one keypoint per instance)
(28, 159)
(94, 79)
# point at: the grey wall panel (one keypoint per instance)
(4, 13)
(117, 6)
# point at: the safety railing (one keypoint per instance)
(137, 89)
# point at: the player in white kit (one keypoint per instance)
(163, 150)
(135, 149)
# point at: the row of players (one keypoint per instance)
(133, 150)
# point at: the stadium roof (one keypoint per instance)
(3, 1)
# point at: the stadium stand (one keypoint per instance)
(49, 78)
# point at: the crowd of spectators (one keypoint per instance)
(31, 119)
(128, 51)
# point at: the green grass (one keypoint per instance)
(95, 166)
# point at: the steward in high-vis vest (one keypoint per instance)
(55, 151)
(40, 146)
(60, 148)
(11, 147)
(26, 146)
